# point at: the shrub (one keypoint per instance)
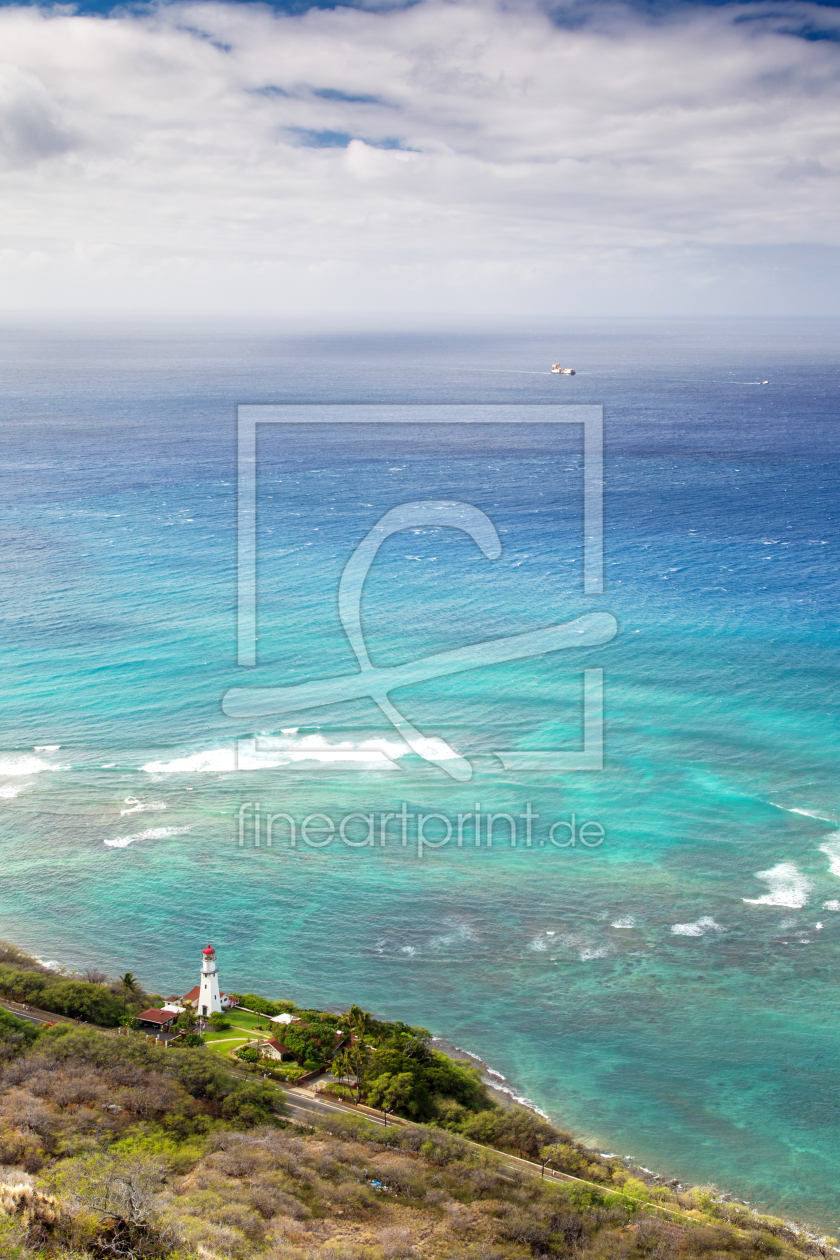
(248, 1054)
(709, 1238)
(262, 1006)
(288, 1072)
(334, 1090)
(396, 1243)
(77, 999)
(201, 1074)
(253, 1104)
(16, 1035)
(511, 1129)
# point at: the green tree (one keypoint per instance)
(90, 1002)
(262, 1006)
(16, 1035)
(218, 1020)
(311, 1042)
(342, 1066)
(253, 1104)
(360, 1022)
(186, 1021)
(128, 982)
(201, 1074)
(391, 1093)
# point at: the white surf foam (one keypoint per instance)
(586, 955)
(152, 833)
(460, 932)
(268, 753)
(701, 927)
(831, 849)
(10, 790)
(138, 807)
(213, 761)
(497, 1078)
(46, 748)
(23, 764)
(788, 887)
(627, 922)
(831, 905)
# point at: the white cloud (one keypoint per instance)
(491, 156)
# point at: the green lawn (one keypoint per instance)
(223, 1046)
(243, 1027)
(243, 1019)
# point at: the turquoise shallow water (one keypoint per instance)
(709, 1052)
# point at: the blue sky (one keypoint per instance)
(810, 27)
(438, 157)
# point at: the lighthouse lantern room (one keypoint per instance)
(209, 999)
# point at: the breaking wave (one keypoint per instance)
(153, 833)
(788, 887)
(270, 753)
(138, 807)
(701, 927)
(24, 764)
(831, 849)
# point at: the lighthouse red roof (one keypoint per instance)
(208, 950)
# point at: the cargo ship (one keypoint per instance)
(561, 371)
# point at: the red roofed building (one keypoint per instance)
(195, 993)
(275, 1049)
(160, 1021)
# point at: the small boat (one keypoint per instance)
(561, 371)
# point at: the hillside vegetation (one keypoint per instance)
(112, 1146)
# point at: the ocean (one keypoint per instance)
(664, 986)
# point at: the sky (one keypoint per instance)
(442, 157)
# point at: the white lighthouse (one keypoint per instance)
(209, 998)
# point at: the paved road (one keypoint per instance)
(301, 1104)
(307, 1107)
(34, 1016)
(304, 1107)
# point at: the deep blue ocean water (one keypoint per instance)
(670, 994)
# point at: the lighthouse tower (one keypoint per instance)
(209, 999)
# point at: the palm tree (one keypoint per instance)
(359, 1022)
(342, 1067)
(129, 983)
